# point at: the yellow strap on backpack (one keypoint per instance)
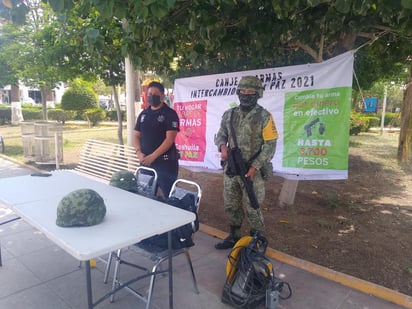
(234, 257)
(233, 260)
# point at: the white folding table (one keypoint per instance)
(129, 219)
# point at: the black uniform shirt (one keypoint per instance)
(153, 124)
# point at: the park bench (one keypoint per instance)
(101, 159)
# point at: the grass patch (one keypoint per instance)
(407, 268)
(332, 200)
(324, 223)
(74, 138)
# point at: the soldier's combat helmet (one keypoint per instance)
(125, 180)
(83, 207)
(250, 83)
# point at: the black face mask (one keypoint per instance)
(247, 101)
(154, 100)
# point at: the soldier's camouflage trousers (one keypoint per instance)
(235, 196)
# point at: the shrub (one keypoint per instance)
(5, 114)
(79, 115)
(60, 115)
(374, 121)
(29, 113)
(112, 115)
(32, 113)
(94, 116)
(79, 97)
(392, 120)
(358, 123)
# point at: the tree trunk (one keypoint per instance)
(43, 91)
(405, 135)
(14, 94)
(130, 83)
(49, 95)
(119, 115)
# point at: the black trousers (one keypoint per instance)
(167, 171)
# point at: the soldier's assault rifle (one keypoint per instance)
(236, 166)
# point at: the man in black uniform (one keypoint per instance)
(154, 138)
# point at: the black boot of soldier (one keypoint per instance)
(229, 241)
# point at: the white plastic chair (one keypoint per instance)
(180, 188)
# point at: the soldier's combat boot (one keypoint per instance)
(229, 241)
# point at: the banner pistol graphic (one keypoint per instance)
(308, 127)
(321, 128)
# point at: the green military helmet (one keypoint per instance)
(125, 180)
(83, 207)
(251, 83)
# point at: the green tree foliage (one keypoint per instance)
(32, 52)
(212, 36)
(79, 97)
(205, 37)
(8, 51)
(93, 44)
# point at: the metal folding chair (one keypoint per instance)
(146, 181)
(180, 188)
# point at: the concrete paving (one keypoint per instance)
(38, 274)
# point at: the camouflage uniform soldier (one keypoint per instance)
(256, 137)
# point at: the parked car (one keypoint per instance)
(105, 102)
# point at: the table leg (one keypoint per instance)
(169, 244)
(89, 286)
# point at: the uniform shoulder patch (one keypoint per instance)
(269, 131)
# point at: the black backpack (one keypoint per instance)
(181, 236)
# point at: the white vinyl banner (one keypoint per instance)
(310, 105)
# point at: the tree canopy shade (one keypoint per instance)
(211, 36)
(31, 51)
(8, 75)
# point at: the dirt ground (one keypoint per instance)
(360, 226)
